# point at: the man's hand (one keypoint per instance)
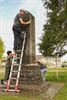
(12, 55)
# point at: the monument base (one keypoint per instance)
(30, 74)
(34, 89)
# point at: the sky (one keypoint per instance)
(8, 10)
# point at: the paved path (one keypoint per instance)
(51, 91)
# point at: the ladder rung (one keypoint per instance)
(13, 78)
(15, 71)
(18, 50)
(11, 90)
(16, 64)
(11, 86)
(18, 57)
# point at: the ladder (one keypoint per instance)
(16, 71)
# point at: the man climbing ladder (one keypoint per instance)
(18, 27)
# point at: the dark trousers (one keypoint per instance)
(18, 37)
(7, 72)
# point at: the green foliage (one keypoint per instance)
(1, 48)
(54, 38)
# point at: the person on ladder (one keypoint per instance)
(8, 65)
(19, 28)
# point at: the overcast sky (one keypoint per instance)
(8, 10)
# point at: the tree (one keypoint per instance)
(1, 48)
(54, 38)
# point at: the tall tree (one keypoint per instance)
(54, 38)
(2, 49)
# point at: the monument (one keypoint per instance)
(30, 71)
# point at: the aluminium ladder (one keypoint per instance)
(14, 71)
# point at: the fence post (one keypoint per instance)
(57, 74)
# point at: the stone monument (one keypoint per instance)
(30, 71)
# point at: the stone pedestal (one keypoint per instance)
(30, 74)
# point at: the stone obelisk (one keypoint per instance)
(29, 52)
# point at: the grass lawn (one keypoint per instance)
(62, 95)
(18, 98)
(62, 77)
(50, 76)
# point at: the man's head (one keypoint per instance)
(41, 62)
(22, 11)
(38, 62)
(9, 52)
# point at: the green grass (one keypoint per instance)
(62, 68)
(62, 77)
(62, 94)
(18, 98)
(52, 76)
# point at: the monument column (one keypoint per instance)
(29, 53)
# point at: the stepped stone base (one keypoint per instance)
(30, 74)
(34, 89)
